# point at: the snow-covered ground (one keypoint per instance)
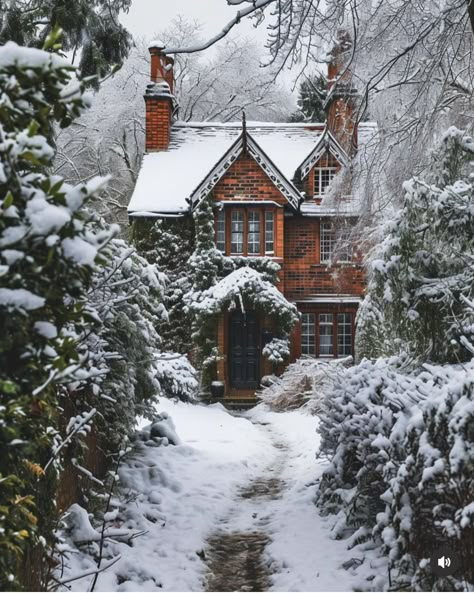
(181, 496)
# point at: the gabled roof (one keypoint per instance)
(200, 153)
(168, 179)
(327, 143)
(246, 142)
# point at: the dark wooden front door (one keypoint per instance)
(244, 351)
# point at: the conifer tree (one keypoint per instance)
(91, 29)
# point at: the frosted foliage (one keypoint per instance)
(242, 284)
(424, 277)
(401, 454)
(277, 351)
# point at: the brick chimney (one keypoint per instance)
(340, 104)
(159, 99)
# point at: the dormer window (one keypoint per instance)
(322, 179)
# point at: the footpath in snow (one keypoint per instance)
(229, 508)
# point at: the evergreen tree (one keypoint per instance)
(91, 28)
(311, 98)
(425, 277)
(48, 253)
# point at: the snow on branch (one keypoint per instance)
(254, 6)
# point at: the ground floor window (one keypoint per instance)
(308, 334)
(326, 334)
(344, 334)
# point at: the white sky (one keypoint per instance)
(147, 17)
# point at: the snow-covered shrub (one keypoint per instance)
(425, 276)
(277, 351)
(48, 253)
(429, 502)
(357, 417)
(370, 329)
(169, 244)
(125, 303)
(177, 376)
(303, 383)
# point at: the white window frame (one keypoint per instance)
(254, 237)
(269, 232)
(326, 320)
(308, 334)
(241, 221)
(344, 331)
(327, 240)
(320, 187)
(221, 230)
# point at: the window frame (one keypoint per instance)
(221, 218)
(318, 190)
(264, 215)
(344, 334)
(334, 332)
(305, 324)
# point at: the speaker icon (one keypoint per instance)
(444, 562)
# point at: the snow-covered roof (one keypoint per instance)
(168, 180)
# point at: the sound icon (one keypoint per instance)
(444, 562)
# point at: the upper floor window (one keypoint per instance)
(237, 232)
(334, 246)
(220, 230)
(245, 232)
(322, 179)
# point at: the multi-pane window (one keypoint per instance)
(322, 178)
(308, 334)
(269, 232)
(326, 334)
(327, 240)
(237, 232)
(220, 231)
(344, 334)
(332, 246)
(253, 233)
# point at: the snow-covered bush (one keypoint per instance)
(425, 276)
(177, 376)
(169, 244)
(357, 417)
(48, 253)
(277, 351)
(429, 501)
(303, 383)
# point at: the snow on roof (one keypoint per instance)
(168, 179)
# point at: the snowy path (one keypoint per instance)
(231, 508)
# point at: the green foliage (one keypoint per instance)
(48, 253)
(425, 277)
(169, 244)
(91, 26)
(311, 98)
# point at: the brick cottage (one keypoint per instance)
(282, 191)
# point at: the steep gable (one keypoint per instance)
(246, 181)
(246, 145)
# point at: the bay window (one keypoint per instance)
(248, 232)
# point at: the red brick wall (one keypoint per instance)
(304, 275)
(158, 122)
(246, 180)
